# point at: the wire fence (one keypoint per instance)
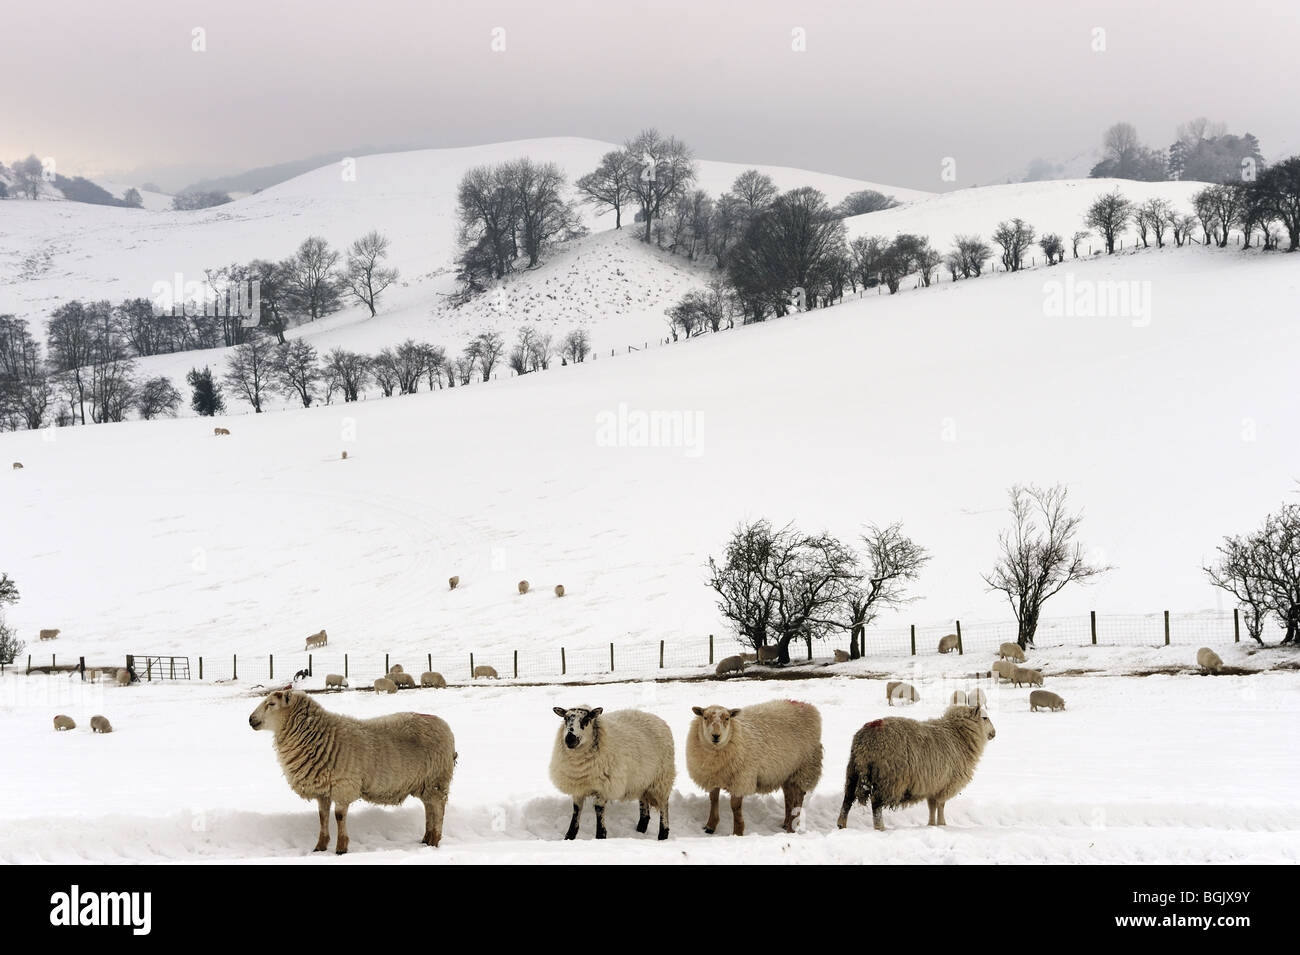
(648, 659)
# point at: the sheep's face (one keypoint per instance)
(271, 710)
(579, 724)
(714, 724)
(989, 731)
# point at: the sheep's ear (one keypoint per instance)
(559, 711)
(735, 713)
(596, 712)
(698, 711)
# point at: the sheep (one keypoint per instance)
(895, 762)
(335, 679)
(1003, 668)
(403, 681)
(1025, 675)
(730, 665)
(301, 675)
(768, 654)
(1011, 651)
(1045, 698)
(100, 724)
(902, 692)
(385, 685)
(749, 657)
(948, 643)
(317, 640)
(396, 668)
(1207, 659)
(62, 722)
(842, 656)
(123, 676)
(976, 697)
(218, 432)
(330, 757)
(50, 634)
(18, 466)
(523, 586)
(345, 456)
(754, 750)
(435, 680)
(559, 590)
(958, 698)
(486, 671)
(453, 583)
(624, 754)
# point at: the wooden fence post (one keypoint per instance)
(611, 658)
(29, 663)
(53, 664)
(270, 673)
(345, 666)
(234, 666)
(471, 664)
(661, 654)
(1166, 628)
(1092, 622)
(1236, 626)
(309, 664)
(148, 669)
(82, 661)
(913, 639)
(563, 667)
(710, 649)
(428, 659)
(516, 664)
(961, 652)
(200, 668)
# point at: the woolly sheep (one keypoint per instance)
(330, 757)
(396, 668)
(345, 456)
(1025, 675)
(730, 665)
(62, 722)
(385, 685)
(768, 654)
(1011, 651)
(523, 586)
(624, 754)
(754, 750)
(317, 640)
(948, 643)
(100, 724)
(335, 679)
(749, 657)
(902, 692)
(1207, 659)
(958, 698)
(1003, 668)
(559, 590)
(123, 676)
(403, 680)
(895, 762)
(1045, 698)
(18, 466)
(453, 582)
(50, 634)
(842, 656)
(976, 697)
(220, 431)
(486, 671)
(429, 678)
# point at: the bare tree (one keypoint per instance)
(1014, 238)
(347, 371)
(364, 275)
(1262, 570)
(297, 370)
(1053, 247)
(250, 371)
(755, 189)
(664, 171)
(1075, 239)
(1154, 215)
(890, 562)
(576, 346)
(611, 184)
(157, 396)
(542, 211)
(1109, 215)
(1040, 555)
(311, 277)
(487, 349)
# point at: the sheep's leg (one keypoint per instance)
(942, 821)
(573, 823)
(434, 807)
(663, 819)
(341, 817)
(600, 818)
(323, 843)
(796, 818)
(712, 825)
(877, 815)
(643, 821)
(851, 779)
(737, 816)
(932, 804)
(788, 823)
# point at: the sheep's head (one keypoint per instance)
(982, 714)
(579, 724)
(714, 724)
(270, 712)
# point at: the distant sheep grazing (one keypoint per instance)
(902, 692)
(335, 679)
(100, 724)
(453, 583)
(895, 762)
(486, 672)
(50, 634)
(1011, 651)
(768, 654)
(403, 680)
(1003, 668)
(1206, 659)
(385, 685)
(559, 590)
(523, 586)
(842, 656)
(62, 722)
(948, 643)
(123, 676)
(396, 668)
(1025, 675)
(753, 750)
(345, 456)
(1045, 698)
(220, 431)
(625, 754)
(317, 640)
(435, 680)
(18, 466)
(330, 757)
(730, 665)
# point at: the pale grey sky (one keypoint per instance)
(883, 91)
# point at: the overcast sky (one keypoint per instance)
(882, 92)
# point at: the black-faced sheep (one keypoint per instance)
(62, 722)
(900, 692)
(1045, 698)
(435, 680)
(330, 757)
(453, 582)
(486, 671)
(896, 762)
(730, 665)
(948, 643)
(1026, 675)
(625, 754)
(317, 640)
(335, 680)
(100, 724)
(1011, 651)
(50, 634)
(753, 750)
(1208, 660)
(385, 685)
(559, 590)
(523, 586)
(301, 675)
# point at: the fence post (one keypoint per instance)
(29, 663)
(913, 639)
(345, 666)
(309, 664)
(234, 666)
(200, 668)
(516, 665)
(53, 665)
(428, 659)
(1092, 622)
(1236, 626)
(710, 649)
(611, 658)
(661, 654)
(148, 669)
(961, 652)
(471, 664)
(563, 668)
(1166, 628)
(171, 666)
(82, 661)
(270, 666)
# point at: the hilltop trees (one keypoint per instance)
(364, 276)
(1127, 158)
(864, 201)
(1280, 183)
(611, 183)
(665, 170)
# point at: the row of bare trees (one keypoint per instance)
(1261, 569)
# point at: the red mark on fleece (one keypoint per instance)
(796, 702)
(875, 724)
